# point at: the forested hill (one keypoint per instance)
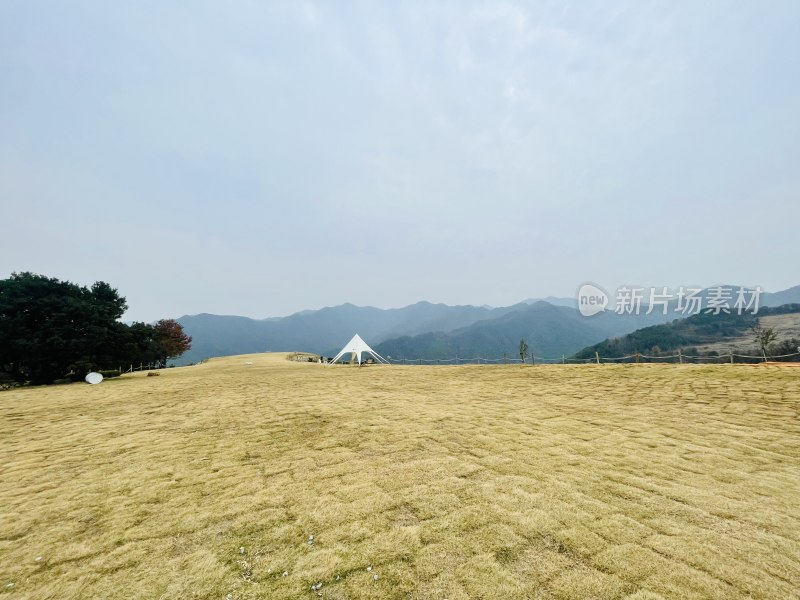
(697, 330)
(550, 331)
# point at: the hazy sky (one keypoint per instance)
(260, 158)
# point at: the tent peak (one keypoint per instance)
(357, 346)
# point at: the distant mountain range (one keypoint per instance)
(555, 301)
(551, 327)
(549, 331)
(788, 296)
(322, 331)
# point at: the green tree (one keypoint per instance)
(787, 350)
(49, 327)
(140, 345)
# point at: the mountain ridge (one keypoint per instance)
(324, 330)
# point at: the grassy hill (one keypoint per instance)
(629, 481)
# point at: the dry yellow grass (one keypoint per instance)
(639, 481)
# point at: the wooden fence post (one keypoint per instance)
(638, 357)
(680, 356)
(597, 357)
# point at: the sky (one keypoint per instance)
(261, 158)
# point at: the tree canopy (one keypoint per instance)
(172, 340)
(50, 328)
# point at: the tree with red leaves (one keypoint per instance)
(172, 340)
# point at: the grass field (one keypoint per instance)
(638, 481)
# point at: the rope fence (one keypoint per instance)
(679, 358)
(141, 367)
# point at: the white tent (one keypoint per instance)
(357, 346)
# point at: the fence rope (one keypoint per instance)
(561, 360)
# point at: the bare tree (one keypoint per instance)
(523, 350)
(764, 336)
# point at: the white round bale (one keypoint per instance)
(93, 378)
